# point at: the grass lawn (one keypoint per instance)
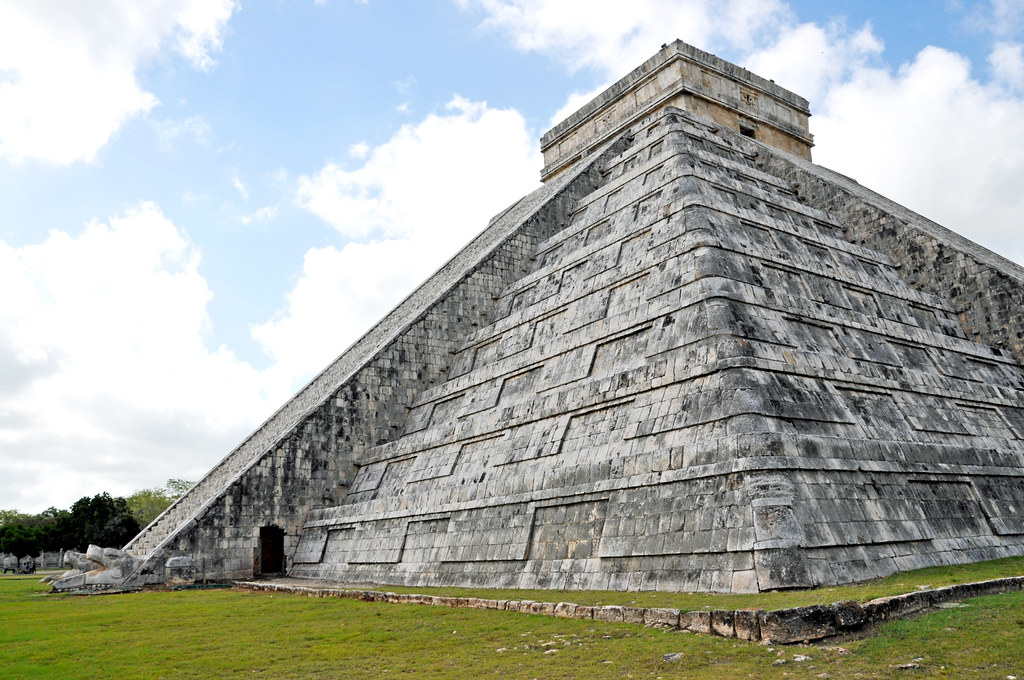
(235, 634)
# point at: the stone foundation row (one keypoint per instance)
(781, 626)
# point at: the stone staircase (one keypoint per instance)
(320, 389)
(207, 489)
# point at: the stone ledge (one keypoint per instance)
(780, 626)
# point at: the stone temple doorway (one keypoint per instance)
(271, 550)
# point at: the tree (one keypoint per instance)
(13, 516)
(147, 504)
(178, 487)
(100, 520)
(24, 534)
(19, 540)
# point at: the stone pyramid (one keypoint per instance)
(693, 360)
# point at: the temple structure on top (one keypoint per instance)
(691, 360)
(690, 79)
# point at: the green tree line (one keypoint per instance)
(104, 520)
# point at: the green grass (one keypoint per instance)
(861, 592)
(235, 634)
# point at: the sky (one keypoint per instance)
(204, 202)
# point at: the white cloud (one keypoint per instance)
(935, 139)
(239, 185)
(69, 69)
(359, 150)
(574, 102)
(357, 283)
(170, 131)
(405, 85)
(199, 29)
(1007, 62)
(1001, 18)
(264, 214)
(106, 365)
(415, 201)
(809, 59)
(469, 145)
(1008, 16)
(615, 36)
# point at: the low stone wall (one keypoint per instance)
(781, 626)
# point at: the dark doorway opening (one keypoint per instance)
(271, 550)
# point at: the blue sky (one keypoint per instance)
(205, 201)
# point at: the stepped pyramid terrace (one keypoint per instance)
(692, 360)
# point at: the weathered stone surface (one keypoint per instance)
(98, 568)
(723, 622)
(633, 615)
(181, 570)
(667, 369)
(661, 617)
(747, 624)
(849, 615)
(696, 622)
(897, 606)
(608, 613)
(784, 626)
(570, 610)
(50, 559)
(985, 289)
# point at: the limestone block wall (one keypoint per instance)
(702, 385)
(305, 456)
(985, 289)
